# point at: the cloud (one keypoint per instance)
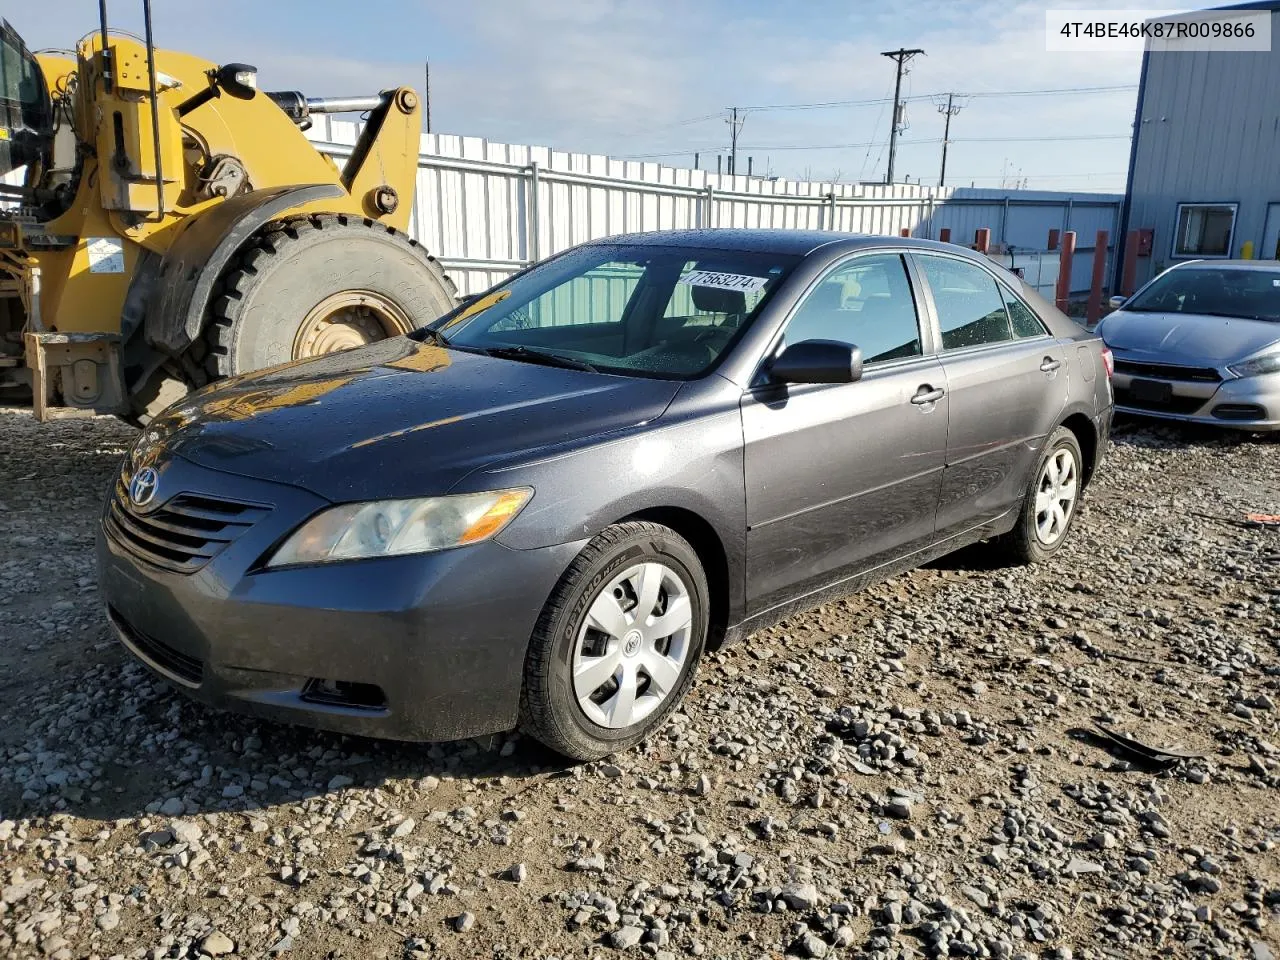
(631, 77)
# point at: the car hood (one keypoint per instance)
(396, 419)
(1191, 339)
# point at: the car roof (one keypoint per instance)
(1265, 266)
(762, 240)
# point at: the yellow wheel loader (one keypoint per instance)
(167, 224)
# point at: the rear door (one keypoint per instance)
(843, 477)
(1006, 382)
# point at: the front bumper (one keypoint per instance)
(426, 647)
(1248, 403)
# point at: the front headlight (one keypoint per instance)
(384, 528)
(1256, 366)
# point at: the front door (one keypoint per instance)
(844, 477)
(1007, 382)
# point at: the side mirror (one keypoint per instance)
(817, 361)
(1117, 302)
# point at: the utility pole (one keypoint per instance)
(734, 126)
(426, 100)
(948, 111)
(900, 57)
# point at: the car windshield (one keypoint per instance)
(640, 310)
(1253, 294)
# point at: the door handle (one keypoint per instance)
(1049, 365)
(928, 394)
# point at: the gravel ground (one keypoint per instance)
(909, 772)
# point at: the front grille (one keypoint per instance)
(161, 656)
(183, 534)
(1168, 371)
(1175, 404)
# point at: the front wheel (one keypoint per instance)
(618, 642)
(1051, 500)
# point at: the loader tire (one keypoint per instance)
(314, 285)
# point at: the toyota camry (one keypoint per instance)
(539, 511)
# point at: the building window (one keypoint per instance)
(1204, 229)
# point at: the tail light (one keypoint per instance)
(1109, 362)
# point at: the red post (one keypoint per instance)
(1065, 262)
(1053, 240)
(1129, 276)
(982, 239)
(904, 232)
(944, 235)
(1093, 313)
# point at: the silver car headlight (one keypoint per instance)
(1257, 366)
(384, 528)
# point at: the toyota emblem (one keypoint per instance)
(142, 488)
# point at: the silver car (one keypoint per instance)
(1201, 343)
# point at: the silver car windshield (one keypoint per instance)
(641, 310)
(1252, 294)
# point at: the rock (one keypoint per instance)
(899, 808)
(339, 781)
(172, 807)
(464, 921)
(977, 896)
(611, 770)
(810, 945)
(1261, 951)
(595, 863)
(217, 943)
(516, 873)
(624, 938)
(703, 787)
(186, 831)
(403, 828)
(1078, 867)
(800, 896)
(232, 790)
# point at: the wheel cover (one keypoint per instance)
(632, 646)
(350, 318)
(1056, 496)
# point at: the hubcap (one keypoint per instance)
(1055, 496)
(348, 319)
(632, 647)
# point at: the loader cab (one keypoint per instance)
(26, 114)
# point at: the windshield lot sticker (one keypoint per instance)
(723, 281)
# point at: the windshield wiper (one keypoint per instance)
(435, 336)
(538, 356)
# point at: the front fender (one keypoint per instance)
(179, 298)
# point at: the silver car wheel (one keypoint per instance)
(632, 646)
(1056, 496)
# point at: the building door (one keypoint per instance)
(1271, 234)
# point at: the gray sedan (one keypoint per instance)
(1201, 343)
(539, 511)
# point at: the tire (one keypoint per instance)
(1026, 543)
(550, 706)
(295, 266)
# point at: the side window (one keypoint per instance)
(867, 302)
(971, 311)
(598, 296)
(1025, 322)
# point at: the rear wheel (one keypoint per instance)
(1051, 500)
(618, 642)
(315, 285)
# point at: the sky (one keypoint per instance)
(653, 79)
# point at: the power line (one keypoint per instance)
(877, 143)
(987, 94)
(949, 111)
